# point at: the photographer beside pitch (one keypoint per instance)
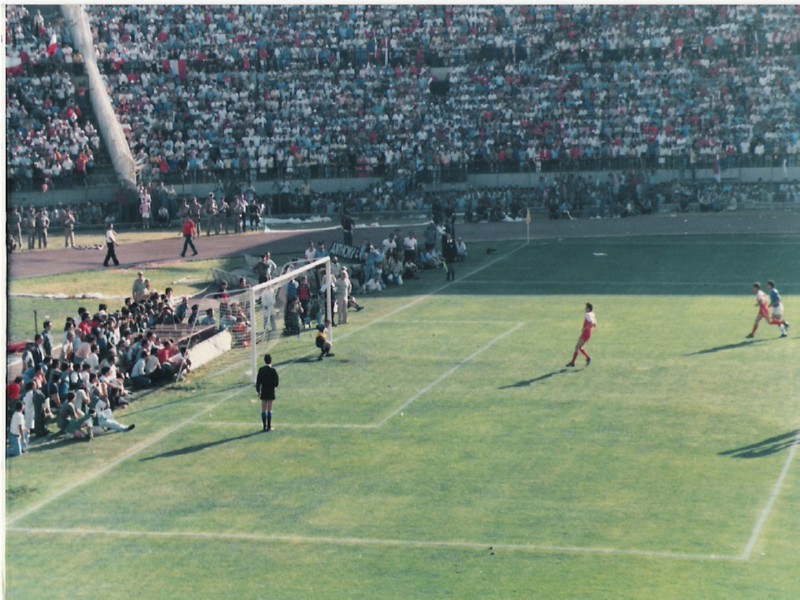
(266, 382)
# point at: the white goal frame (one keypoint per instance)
(256, 291)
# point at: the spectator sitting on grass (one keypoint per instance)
(430, 259)
(394, 271)
(152, 366)
(139, 379)
(116, 387)
(375, 283)
(241, 332)
(172, 361)
(105, 417)
(461, 249)
(73, 421)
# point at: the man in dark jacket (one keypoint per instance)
(266, 382)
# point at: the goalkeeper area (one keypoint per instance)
(256, 318)
(445, 452)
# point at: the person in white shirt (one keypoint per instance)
(389, 244)
(311, 252)
(111, 243)
(152, 368)
(29, 413)
(115, 384)
(461, 249)
(105, 417)
(17, 431)
(336, 267)
(92, 359)
(85, 374)
(138, 377)
(343, 289)
(410, 248)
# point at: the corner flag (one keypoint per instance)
(528, 217)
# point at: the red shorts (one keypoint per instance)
(586, 335)
(763, 311)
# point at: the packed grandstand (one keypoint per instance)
(256, 92)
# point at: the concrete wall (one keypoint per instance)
(747, 175)
(108, 193)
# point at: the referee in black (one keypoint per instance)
(266, 382)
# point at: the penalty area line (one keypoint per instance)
(387, 317)
(394, 412)
(378, 542)
(765, 512)
(242, 425)
(445, 375)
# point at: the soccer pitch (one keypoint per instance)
(445, 452)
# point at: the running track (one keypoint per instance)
(56, 261)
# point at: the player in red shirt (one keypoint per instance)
(762, 302)
(188, 230)
(589, 323)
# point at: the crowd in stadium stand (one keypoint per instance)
(249, 92)
(255, 91)
(49, 142)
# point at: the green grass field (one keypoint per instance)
(445, 452)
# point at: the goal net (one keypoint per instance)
(247, 322)
(298, 300)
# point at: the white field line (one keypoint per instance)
(452, 322)
(251, 425)
(143, 445)
(391, 314)
(762, 518)
(445, 375)
(155, 439)
(536, 282)
(388, 315)
(419, 299)
(379, 542)
(614, 239)
(351, 541)
(393, 412)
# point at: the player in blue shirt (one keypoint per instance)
(776, 308)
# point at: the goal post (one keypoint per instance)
(288, 305)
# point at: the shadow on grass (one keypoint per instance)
(51, 442)
(134, 408)
(743, 344)
(199, 447)
(58, 440)
(301, 359)
(527, 382)
(766, 447)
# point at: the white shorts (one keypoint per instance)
(777, 311)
